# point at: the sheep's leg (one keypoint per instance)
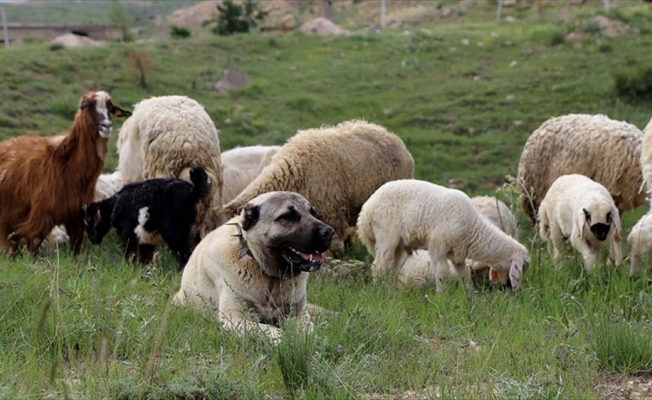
(384, 258)
(590, 255)
(463, 274)
(615, 252)
(439, 262)
(557, 243)
(400, 255)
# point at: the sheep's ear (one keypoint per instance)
(618, 229)
(494, 276)
(516, 270)
(250, 215)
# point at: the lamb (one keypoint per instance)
(151, 212)
(241, 165)
(406, 215)
(602, 149)
(417, 270)
(45, 181)
(640, 245)
(336, 168)
(579, 210)
(163, 138)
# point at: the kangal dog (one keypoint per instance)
(253, 270)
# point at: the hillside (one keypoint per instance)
(464, 93)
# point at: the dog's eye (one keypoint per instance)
(313, 212)
(291, 215)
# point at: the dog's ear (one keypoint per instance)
(250, 213)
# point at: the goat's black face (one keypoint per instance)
(95, 226)
(286, 226)
(600, 231)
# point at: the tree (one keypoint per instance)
(235, 18)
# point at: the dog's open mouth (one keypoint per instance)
(307, 262)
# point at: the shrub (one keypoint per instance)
(178, 32)
(633, 81)
(234, 18)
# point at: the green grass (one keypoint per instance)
(464, 97)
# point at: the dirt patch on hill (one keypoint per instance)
(624, 387)
(72, 40)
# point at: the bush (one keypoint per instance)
(234, 18)
(178, 32)
(633, 81)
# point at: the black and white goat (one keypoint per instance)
(150, 213)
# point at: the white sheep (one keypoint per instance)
(164, 138)
(640, 245)
(241, 165)
(605, 150)
(417, 270)
(580, 211)
(406, 215)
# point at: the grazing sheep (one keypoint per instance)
(163, 138)
(337, 168)
(602, 149)
(417, 269)
(406, 215)
(45, 181)
(242, 165)
(580, 211)
(640, 245)
(148, 213)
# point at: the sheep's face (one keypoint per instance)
(100, 107)
(599, 229)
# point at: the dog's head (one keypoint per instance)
(283, 229)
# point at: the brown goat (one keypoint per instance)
(45, 181)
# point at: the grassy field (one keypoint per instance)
(464, 97)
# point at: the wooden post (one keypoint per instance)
(499, 10)
(5, 28)
(382, 13)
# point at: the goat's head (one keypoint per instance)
(99, 107)
(97, 221)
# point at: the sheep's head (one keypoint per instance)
(511, 277)
(99, 107)
(601, 217)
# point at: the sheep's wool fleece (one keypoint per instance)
(165, 136)
(604, 150)
(241, 165)
(646, 156)
(337, 168)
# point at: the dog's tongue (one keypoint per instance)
(318, 257)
